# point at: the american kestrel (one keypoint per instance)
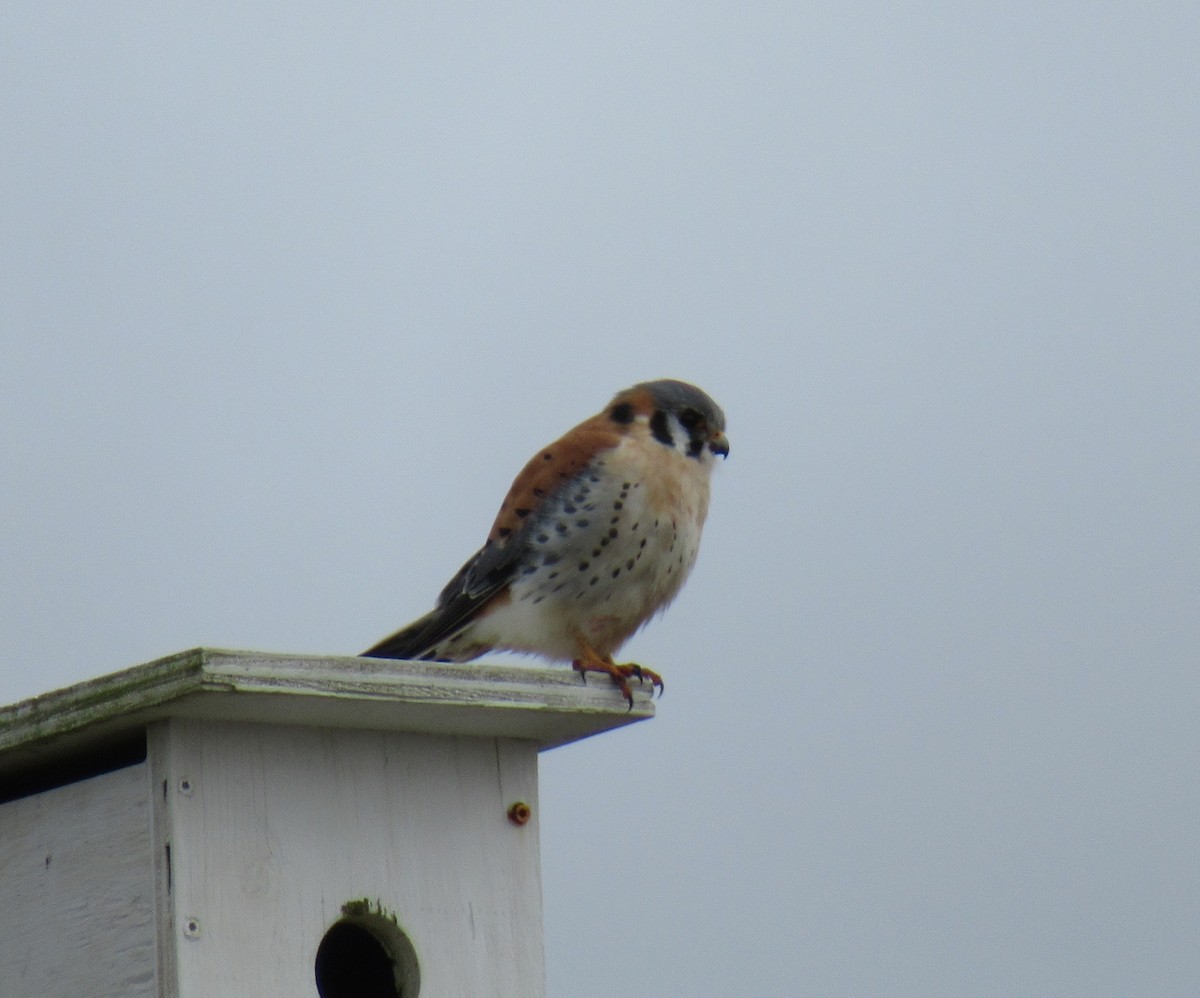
(597, 535)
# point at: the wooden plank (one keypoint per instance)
(76, 891)
(549, 706)
(273, 829)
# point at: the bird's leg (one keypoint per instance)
(590, 661)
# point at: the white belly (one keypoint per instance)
(606, 557)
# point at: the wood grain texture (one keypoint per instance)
(272, 829)
(76, 891)
(275, 790)
(549, 707)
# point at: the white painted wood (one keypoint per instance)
(547, 706)
(272, 829)
(277, 789)
(76, 891)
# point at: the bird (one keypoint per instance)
(596, 536)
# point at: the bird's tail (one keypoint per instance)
(411, 642)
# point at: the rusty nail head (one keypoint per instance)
(519, 813)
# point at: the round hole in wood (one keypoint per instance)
(366, 956)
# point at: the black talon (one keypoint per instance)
(626, 693)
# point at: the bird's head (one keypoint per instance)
(678, 415)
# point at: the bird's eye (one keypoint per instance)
(690, 419)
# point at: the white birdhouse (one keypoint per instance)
(221, 824)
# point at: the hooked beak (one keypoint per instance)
(718, 443)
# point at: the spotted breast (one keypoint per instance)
(597, 534)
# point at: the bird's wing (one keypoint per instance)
(474, 586)
(486, 575)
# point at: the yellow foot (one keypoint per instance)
(619, 674)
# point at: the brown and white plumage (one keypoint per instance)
(597, 534)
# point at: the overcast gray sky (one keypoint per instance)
(288, 295)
